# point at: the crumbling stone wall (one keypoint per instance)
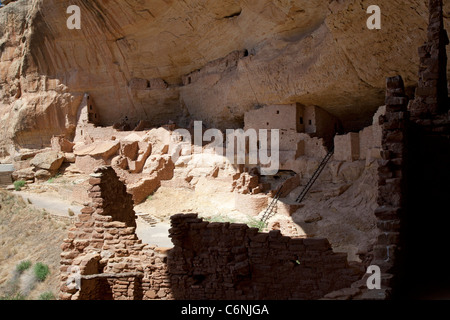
(102, 258)
(432, 91)
(110, 197)
(391, 180)
(233, 261)
(427, 171)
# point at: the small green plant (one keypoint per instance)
(47, 296)
(220, 218)
(16, 296)
(256, 223)
(41, 271)
(150, 197)
(52, 179)
(19, 184)
(23, 265)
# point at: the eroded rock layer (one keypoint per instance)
(133, 59)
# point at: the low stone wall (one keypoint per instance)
(233, 261)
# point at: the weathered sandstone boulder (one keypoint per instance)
(42, 175)
(97, 149)
(23, 174)
(143, 188)
(50, 160)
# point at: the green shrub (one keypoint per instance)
(23, 265)
(47, 296)
(16, 296)
(19, 184)
(41, 271)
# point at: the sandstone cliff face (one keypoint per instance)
(135, 58)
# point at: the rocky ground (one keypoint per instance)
(341, 212)
(30, 234)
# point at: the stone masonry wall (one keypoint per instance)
(391, 180)
(391, 199)
(102, 258)
(233, 261)
(109, 197)
(432, 90)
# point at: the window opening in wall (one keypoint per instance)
(90, 107)
(301, 120)
(189, 80)
(267, 123)
(310, 122)
(278, 111)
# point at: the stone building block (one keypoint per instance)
(346, 147)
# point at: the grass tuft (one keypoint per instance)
(23, 265)
(47, 296)
(19, 184)
(41, 271)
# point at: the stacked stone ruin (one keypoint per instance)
(391, 182)
(431, 97)
(102, 258)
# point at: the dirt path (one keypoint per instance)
(49, 202)
(157, 234)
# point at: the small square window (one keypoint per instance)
(278, 111)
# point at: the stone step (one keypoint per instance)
(147, 218)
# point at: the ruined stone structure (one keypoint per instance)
(428, 177)
(87, 118)
(144, 84)
(391, 180)
(432, 90)
(229, 62)
(103, 259)
(298, 125)
(6, 171)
